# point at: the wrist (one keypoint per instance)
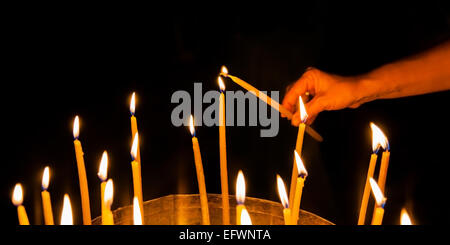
(367, 89)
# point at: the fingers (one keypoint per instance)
(313, 108)
(290, 100)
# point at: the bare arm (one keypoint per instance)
(424, 73)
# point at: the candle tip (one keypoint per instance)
(103, 168)
(133, 103)
(240, 188)
(300, 166)
(224, 71)
(66, 215)
(17, 197)
(76, 127)
(45, 178)
(191, 126)
(135, 146)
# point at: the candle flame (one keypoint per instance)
(378, 138)
(66, 215)
(137, 217)
(377, 193)
(17, 197)
(133, 103)
(240, 188)
(103, 168)
(46, 178)
(282, 192)
(224, 71)
(76, 127)
(109, 193)
(245, 217)
(221, 84)
(404, 218)
(191, 125)
(135, 146)
(303, 114)
(300, 167)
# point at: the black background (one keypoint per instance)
(62, 61)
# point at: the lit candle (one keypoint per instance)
(268, 100)
(103, 176)
(107, 216)
(382, 174)
(404, 218)
(66, 215)
(223, 155)
(17, 200)
(134, 128)
(137, 216)
(135, 168)
(284, 200)
(378, 139)
(302, 173)
(298, 147)
(46, 202)
(245, 217)
(200, 174)
(380, 201)
(85, 206)
(240, 196)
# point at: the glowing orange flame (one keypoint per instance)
(377, 193)
(404, 218)
(133, 103)
(378, 138)
(282, 192)
(300, 167)
(76, 127)
(135, 146)
(109, 193)
(46, 178)
(224, 71)
(137, 217)
(221, 84)
(240, 188)
(191, 125)
(66, 215)
(103, 168)
(245, 217)
(303, 114)
(17, 197)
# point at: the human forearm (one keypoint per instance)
(424, 73)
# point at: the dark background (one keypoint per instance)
(62, 61)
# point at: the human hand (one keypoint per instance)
(329, 92)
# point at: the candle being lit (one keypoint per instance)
(17, 200)
(302, 173)
(200, 174)
(273, 103)
(404, 218)
(134, 128)
(137, 216)
(103, 176)
(66, 215)
(245, 217)
(46, 201)
(223, 155)
(284, 200)
(380, 201)
(135, 168)
(107, 216)
(382, 174)
(298, 147)
(84, 190)
(378, 140)
(240, 196)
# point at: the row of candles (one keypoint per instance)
(291, 204)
